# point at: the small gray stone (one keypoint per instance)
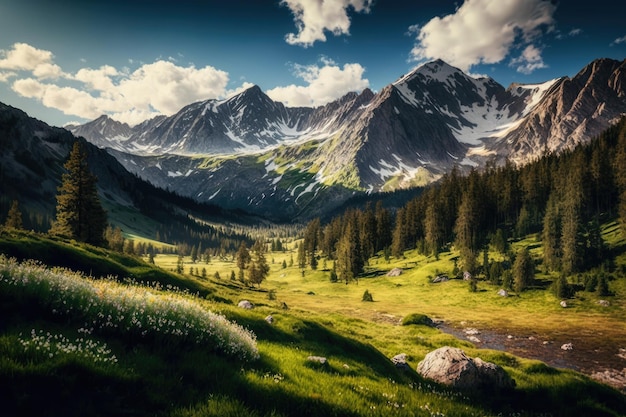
(400, 361)
(440, 278)
(245, 304)
(317, 359)
(395, 272)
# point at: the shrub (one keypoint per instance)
(561, 288)
(591, 282)
(367, 296)
(418, 319)
(603, 286)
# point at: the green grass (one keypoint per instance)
(90, 260)
(165, 376)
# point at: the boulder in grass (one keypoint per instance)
(451, 366)
(400, 361)
(503, 293)
(395, 272)
(269, 319)
(440, 278)
(245, 304)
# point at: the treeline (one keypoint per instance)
(80, 215)
(564, 198)
(349, 240)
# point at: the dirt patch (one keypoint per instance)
(591, 353)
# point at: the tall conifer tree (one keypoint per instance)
(14, 217)
(79, 213)
(350, 260)
(620, 175)
(523, 270)
(551, 235)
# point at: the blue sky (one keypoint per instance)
(71, 61)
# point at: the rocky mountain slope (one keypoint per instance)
(31, 167)
(251, 152)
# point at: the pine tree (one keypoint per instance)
(399, 238)
(498, 241)
(114, 238)
(301, 256)
(243, 259)
(571, 231)
(349, 256)
(14, 217)
(259, 269)
(619, 166)
(465, 231)
(367, 235)
(561, 288)
(523, 271)
(194, 254)
(433, 225)
(129, 247)
(79, 213)
(310, 244)
(551, 236)
(603, 285)
(383, 227)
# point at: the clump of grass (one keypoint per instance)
(137, 310)
(416, 318)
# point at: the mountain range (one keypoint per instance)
(250, 152)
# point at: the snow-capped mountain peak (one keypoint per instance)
(410, 132)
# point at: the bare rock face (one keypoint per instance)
(451, 366)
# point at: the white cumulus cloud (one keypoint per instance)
(529, 61)
(130, 96)
(619, 40)
(167, 87)
(314, 17)
(25, 57)
(325, 82)
(483, 31)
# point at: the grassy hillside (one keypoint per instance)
(97, 361)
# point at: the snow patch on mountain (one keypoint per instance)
(535, 93)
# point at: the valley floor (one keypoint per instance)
(532, 325)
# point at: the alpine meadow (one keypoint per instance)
(421, 242)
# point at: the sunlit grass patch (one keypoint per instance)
(132, 310)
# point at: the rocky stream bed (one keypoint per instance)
(586, 352)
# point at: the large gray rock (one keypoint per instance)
(245, 304)
(451, 366)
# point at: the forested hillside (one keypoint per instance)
(564, 198)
